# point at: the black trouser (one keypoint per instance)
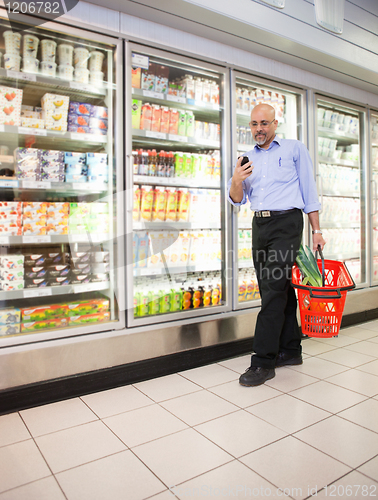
(275, 244)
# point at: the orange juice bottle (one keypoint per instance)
(147, 198)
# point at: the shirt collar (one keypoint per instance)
(276, 139)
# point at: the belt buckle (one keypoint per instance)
(265, 213)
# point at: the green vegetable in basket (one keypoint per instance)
(308, 267)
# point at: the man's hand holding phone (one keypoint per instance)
(243, 168)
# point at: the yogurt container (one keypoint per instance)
(30, 47)
(48, 68)
(48, 50)
(81, 75)
(30, 65)
(97, 78)
(65, 53)
(12, 42)
(81, 56)
(65, 72)
(12, 62)
(96, 60)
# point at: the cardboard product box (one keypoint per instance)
(10, 229)
(47, 324)
(36, 115)
(55, 102)
(32, 122)
(81, 208)
(10, 217)
(83, 268)
(81, 257)
(91, 306)
(10, 315)
(161, 78)
(99, 112)
(55, 228)
(57, 125)
(97, 131)
(89, 318)
(76, 178)
(30, 229)
(58, 210)
(52, 176)
(11, 329)
(10, 207)
(39, 206)
(58, 271)
(35, 260)
(99, 277)
(11, 286)
(148, 77)
(12, 274)
(26, 163)
(73, 158)
(80, 108)
(36, 283)
(98, 123)
(48, 155)
(33, 217)
(79, 129)
(59, 281)
(57, 258)
(11, 261)
(42, 312)
(35, 272)
(79, 279)
(78, 120)
(136, 77)
(10, 105)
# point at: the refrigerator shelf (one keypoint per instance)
(341, 195)
(343, 163)
(179, 102)
(342, 137)
(69, 87)
(176, 182)
(54, 290)
(176, 270)
(59, 238)
(171, 139)
(64, 188)
(172, 225)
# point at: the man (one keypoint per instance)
(279, 182)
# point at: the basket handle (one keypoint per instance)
(337, 296)
(319, 249)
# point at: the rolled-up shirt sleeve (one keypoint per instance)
(307, 184)
(244, 200)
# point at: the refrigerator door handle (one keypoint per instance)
(375, 197)
(321, 192)
(129, 184)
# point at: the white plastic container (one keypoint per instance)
(30, 47)
(81, 56)
(65, 72)
(65, 53)
(97, 78)
(48, 68)
(12, 62)
(96, 59)
(30, 65)
(12, 42)
(48, 50)
(81, 75)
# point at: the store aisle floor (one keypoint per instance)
(312, 430)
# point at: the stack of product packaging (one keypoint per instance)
(55, 111)
(31, 116)
(10, 320)
(10, 218)
(87, 119)
(11, 272)
(10, 106)
(86, 167)
(44, 218)
(89, 218)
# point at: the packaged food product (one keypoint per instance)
(136, 203)
(172, 197)
(146, 117)
(99, 277)
(183, 204)
(54, 101)
(35, 272)
(78, 120)
(142, 248)
(11, 286)
(59, 281)
(36, 283)
(10, 229)
(10, 315)
(35, 260)
(33, 229)
(58, 209)
(77, 279)
(160, 203)
(80, 108)
(10, 206)
(135, 77)
(54, 228)
(11, 329)
(173, 121)
(91, 306)
(98, 123)
(32, 122)
(148, 77)
(47, 324)
(89, 318)
(161, 78)
(99, 112)
(147, 199)
(11, 261)
(10, 105)
(78, 129)
(156, 118)
(58, 271)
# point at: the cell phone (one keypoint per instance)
(244, 160)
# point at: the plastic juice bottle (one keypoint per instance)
(152, 157)
(161, 164)
(143, 304)
(165, 299)
(171, 167)
(187, 295)
(143, 166)
(197, 295)
(135, 162)
(206, 290)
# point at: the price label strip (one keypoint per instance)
(32, 131)
(36, 239)
(36, 185)
(37, 292)
(9, 184)
(29, 77)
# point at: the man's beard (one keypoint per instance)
(260, 141)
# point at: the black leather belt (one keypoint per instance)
(270, 213)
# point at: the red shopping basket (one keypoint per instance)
(321, 308)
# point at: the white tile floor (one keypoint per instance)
(310, 431)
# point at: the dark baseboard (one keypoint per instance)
(50, 391)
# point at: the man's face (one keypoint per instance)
(263, 126)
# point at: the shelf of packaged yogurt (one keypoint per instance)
(150, 271)
(340, 135)
(58, 238)
(176, 182)
(54, 290)
(339, 225)
(176, 139)
(56, 83)
(343, 163)
(339, 194)
(64, 136)
(174, 226)
(172, 100)
(57, 187)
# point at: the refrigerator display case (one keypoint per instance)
(59, 174)
(374, 183)
(175, 187)
(341, 181)
(288, 104)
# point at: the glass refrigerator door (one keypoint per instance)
(178, 220)
(341, 181)
(58, 179)
(288, 106)
(374, 182)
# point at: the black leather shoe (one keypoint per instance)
(256, 375)
(284, 359)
